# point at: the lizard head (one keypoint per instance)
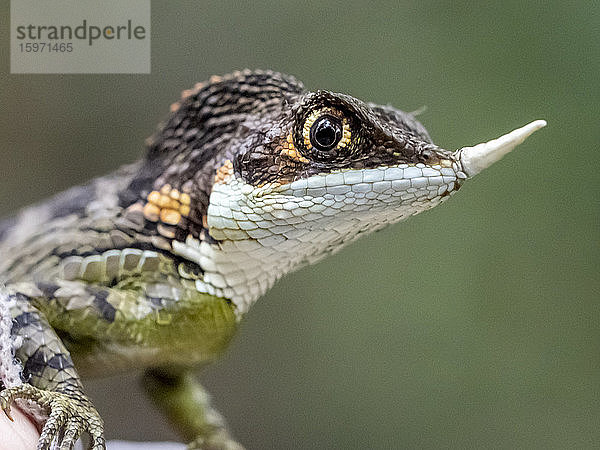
(278, 177)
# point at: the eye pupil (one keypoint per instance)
(325, 133)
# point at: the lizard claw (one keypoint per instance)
(68, 417)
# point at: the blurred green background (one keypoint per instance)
(475, 325)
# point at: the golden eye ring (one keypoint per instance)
(326, 129)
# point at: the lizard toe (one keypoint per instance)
(9, 395)
(73, 431)
(96, 432)
(69, 416)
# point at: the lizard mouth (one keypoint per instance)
(475, 159)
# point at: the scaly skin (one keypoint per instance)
(154, 266)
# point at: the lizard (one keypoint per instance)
(152, 267)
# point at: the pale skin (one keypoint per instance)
(21, 434)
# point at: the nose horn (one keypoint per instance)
(475, 159)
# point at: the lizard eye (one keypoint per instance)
(326, 133)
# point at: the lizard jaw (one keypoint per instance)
(475, 159)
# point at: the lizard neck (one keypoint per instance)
(82, 220)
(260, 233)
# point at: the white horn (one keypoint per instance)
(475, 159)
